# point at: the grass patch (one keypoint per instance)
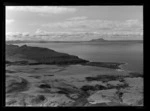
(38, 99)
(43, 86)
(18, 86)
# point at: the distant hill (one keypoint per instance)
(26, 41)
(102, 40)
(98, 40)
(93, 40)
(19, 41)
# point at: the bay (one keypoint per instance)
(127, 52)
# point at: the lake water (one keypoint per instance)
(128, 52)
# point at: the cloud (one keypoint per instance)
(78, 18)
(17, 35)
(42, 9)
(132, 22)
(78, 30)
(82, 24)
(9, 21)
(71, 36)
(40, 32)
(83, 30)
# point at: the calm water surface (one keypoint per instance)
(131, 53)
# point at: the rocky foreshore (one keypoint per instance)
(36, 77)
(52, 92)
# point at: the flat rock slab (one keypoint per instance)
(103, 96)
(133, 99)
(57, 100)
(115, 83)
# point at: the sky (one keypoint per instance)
(77, 23)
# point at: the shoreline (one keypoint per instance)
(48, 56)
(51, 57)
(121, 67)
(73, 90)
(111, 65)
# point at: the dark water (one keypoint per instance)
(128, 52)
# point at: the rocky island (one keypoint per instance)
(43, 77)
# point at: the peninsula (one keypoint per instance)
(22, 55)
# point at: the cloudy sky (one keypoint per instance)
(72, 22)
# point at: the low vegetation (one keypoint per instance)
(48, 56)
